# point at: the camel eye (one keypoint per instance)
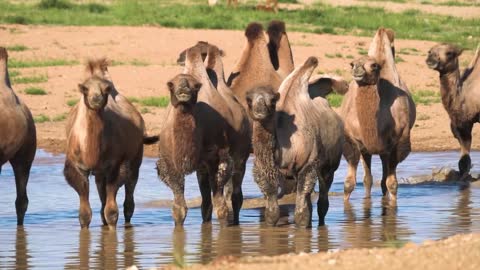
(450, 54)
(351, 64)
(374, 66)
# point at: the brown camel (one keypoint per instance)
(460, 95)
(105, 137)
(297, 136)
(238, 129)
(379, 113)
(18, 141)
(194, 138)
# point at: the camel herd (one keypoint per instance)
(266, 106)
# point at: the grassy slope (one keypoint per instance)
(319, 18)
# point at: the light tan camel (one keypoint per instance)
(379, 113)
(298, 136)
(105, 137)
(460, 95)
(194, 138)
(18, 141)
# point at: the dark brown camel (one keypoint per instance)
(18, 142)
(105, 137)
(298, 136)
(460, 95)
(194, 138)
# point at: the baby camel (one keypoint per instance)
(105, 137)
(18, 141)
(300, 137)
(460, 95)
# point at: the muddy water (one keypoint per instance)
(52, 239)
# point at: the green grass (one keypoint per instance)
(42, 118)
(145, 110)
(362, 51)
(425, 97)
(72, 102)
(14, 73)
(450, 3)
(14, 63)
(335, 100)
(318, 18)
(17, 48)
(59, 117)
(29, 79)
(399, 59)
(408, 51)
(35, 91)
(161, 102)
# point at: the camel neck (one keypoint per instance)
(185, 140)
(91, 127)
(4, 73)
(264, 141)
(368, 106)
(450, 88)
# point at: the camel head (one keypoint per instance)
(184, 91)
(95, 91)
(261, 103)
(443, 57)
(365, 70)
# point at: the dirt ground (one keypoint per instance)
(158, 49)
(457, 252)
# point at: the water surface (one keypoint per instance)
(52, 239)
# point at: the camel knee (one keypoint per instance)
(348, 187)
(85, 216)
(367, 183)
(392, 186)
(220, 206)
(179, 212)
(21, 205)
(111, 214)
(303, 211)
(465, 164)
(272, 211)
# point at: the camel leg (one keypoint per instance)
(100, 181)
(130, 184)
(112, 185)
(385, 161)
(237, 195)
(176, 182)
(303, 204)
(79, 181)
(352, 155)
(204, 184)
(223, 172)
(464, 136)
(325, 180)
(391, 182)
(267, 180)
(367, 178)
(21, 169)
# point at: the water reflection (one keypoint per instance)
(51, 238)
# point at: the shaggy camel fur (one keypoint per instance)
(105, 137)
(194, 138)
(301, 137)
(379, 113)
(460, 95)
(18, 141)
(238, 129)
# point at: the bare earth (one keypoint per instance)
(457, 252)
(159, 48)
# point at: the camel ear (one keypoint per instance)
(276, 97)
(83, 89)
(170, 86)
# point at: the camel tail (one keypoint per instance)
(150, 139)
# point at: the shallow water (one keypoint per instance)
(52, 239)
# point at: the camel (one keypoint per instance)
(460, 94)
(105, 137)
(238, 129)
(194, 138)
(378, 113)
(18, 141)
(294, 135)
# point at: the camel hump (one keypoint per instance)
(323, 85)
(213, 54)
(469, 69)
(3, 53)
(475, 58)
(311, 62)
(275, 30)
(254, 31)
(390, 34)
(97, 66)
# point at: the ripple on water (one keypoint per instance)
(51, 237)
